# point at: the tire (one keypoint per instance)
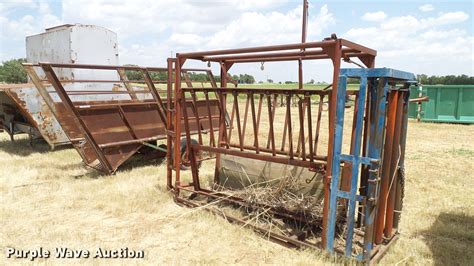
(185, 163)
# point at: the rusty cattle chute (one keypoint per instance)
(340, 187)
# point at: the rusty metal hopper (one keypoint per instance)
(108, 120)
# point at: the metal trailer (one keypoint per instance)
(109, 125)
(443, 104)
(22, 111)
(372, 142)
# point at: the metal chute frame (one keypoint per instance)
(361, 137)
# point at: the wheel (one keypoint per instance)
(185, 162)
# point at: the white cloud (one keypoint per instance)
(149, 30)
(8, 6)
(132, 18)
(426, 8)
(374, 16)
(420, 44)
(254, 28)
(15, 30)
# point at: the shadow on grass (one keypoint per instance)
(139, 160)
(136, 161)
(23, 147)
(451, 239)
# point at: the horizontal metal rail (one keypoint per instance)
(129, 142)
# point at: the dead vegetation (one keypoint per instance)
(50, 200)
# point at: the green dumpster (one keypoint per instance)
(447, 103)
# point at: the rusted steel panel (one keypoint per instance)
(109, 120)
(26, 100)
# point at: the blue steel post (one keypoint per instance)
(337, 146)
(355, 164)
(377, 126)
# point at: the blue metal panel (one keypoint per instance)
(377, 126)
(347, 195)
(378, 79)
(337, 146)
(356, 163)
(379, 73)
(350, 158)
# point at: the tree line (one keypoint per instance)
(445, 80)
(11, 71)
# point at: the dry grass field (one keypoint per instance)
(49, 200)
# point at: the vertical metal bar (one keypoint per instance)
(303, 40)
(196, 113)
(356, 140)
(290, 130)
(375, 143)
(222, 121)
(387, 157)
(271, 137)
(301, 138)
(177, 122)
(169, 125)
(285, 128)
(318, 124)
(254, 121)
(273, 113)
(365, 168)
(247, 103)
(237, 113)
(346, 176)
(222, 137)
(300, 74)
(310, 128)
(231, 125)
(260, 103)
(189, 147)
(394, 167)
(305, 21)
(336, 152)
(301, 142)
(403, 137)
(336, 59)
(209, 114)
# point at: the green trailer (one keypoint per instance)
(447, 103)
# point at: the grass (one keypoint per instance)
(49, 200)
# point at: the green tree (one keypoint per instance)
(445, 80)
(134, 74)
(246, 78)
(11, 71)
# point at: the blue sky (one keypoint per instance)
(432, 37)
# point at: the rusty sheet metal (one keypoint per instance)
(24, 108)
(108, 121)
